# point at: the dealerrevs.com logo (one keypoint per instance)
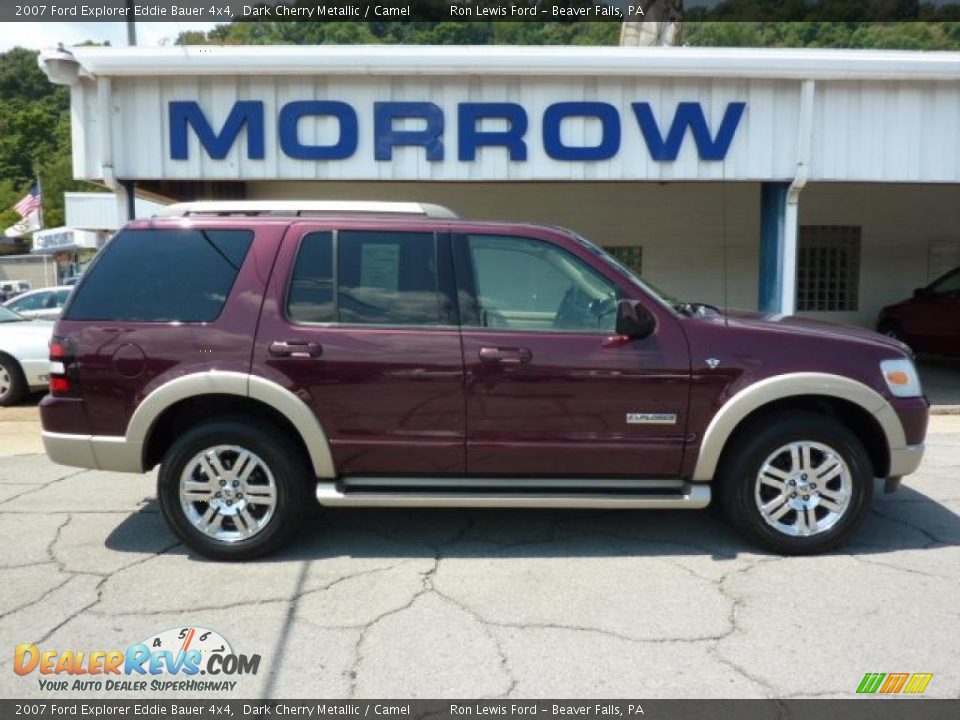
(894, 683)
(188, 659)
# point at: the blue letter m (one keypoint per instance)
(188, 113)
(689, 114)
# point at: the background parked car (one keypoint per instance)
(44, 304)
(24, 356)
(72, 279)
(9, 289)
(929, 322)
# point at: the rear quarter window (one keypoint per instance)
(162, 276)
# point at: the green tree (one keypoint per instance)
(34, 137)
(822, 29)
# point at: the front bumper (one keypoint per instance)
(905, 460)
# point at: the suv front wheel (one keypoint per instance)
(232, 490)
(797, 485)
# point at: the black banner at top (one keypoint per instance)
(214, 708)
(479, 10)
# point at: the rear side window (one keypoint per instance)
(162, 276)
(311, 290)
(381, 278)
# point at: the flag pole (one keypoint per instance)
(40, 194)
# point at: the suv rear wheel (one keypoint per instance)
(232, 491)
(797, 486)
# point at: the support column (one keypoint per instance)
(123, 192)
(773, 227)
(130, 190)
(779, 223)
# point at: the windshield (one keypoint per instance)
(8, 315)
(668, 301)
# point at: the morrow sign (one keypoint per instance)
(662, 143)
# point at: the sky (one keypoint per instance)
(37, 35)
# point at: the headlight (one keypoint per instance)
(901, 377)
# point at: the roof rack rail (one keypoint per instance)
(304, 208)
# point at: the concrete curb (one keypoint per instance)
(945, 409)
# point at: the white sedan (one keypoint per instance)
(46, 303)
(24, 356)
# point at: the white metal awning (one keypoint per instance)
(785, 63)
(502, 113)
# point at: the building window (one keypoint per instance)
(630, 256)
(828, 268)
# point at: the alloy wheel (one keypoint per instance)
(228, 493)
(803, 488)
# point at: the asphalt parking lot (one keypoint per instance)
(449, 603)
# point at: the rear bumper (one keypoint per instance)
(97, 452)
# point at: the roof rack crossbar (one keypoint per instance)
(305, 208)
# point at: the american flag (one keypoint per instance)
(30, 201)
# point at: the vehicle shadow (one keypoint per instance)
(32, 400)
(911, 521)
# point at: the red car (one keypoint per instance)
(929, 322)
(270, 355)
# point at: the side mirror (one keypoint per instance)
(922, 294)
(634, 320)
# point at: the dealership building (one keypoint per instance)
(822, 182)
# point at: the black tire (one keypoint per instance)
(751, 448)
(283, 459)
(13, 384)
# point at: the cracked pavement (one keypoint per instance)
(487, 603)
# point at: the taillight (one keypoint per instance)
(63, 367)
(58, 349)
(59, 385)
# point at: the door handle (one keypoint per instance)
(295, 348)
(505, 356)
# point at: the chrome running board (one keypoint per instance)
(513, 493)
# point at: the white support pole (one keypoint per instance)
(788, 279)
(791, 223)
(104, 111)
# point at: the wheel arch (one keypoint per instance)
(222, 392)
(864, 410)
(12, 358)
(17, 372)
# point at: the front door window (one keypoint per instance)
(529, 285)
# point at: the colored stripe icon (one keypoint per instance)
(894, 683)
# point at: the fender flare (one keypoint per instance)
(751, 398)
(221, 382)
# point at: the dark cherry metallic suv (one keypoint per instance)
(373, 354)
